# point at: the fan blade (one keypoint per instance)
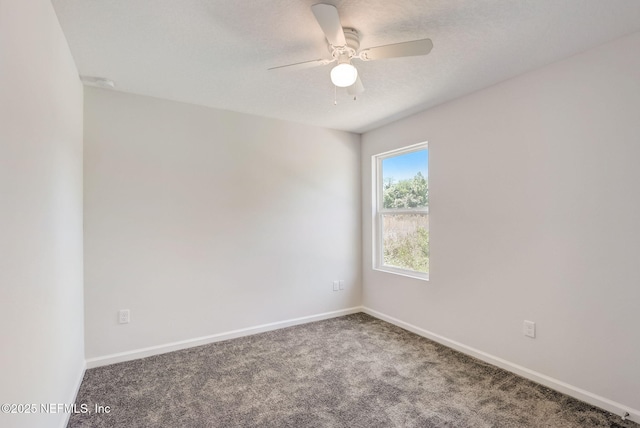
(329, 20)
(303, 65)
(416, 47)
(357, 88)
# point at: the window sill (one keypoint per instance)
(403, 272)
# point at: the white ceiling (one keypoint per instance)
(216, 52)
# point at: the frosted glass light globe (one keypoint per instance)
(343, 75)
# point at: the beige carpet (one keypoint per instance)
(352, 371)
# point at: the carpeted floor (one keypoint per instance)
(352, 371)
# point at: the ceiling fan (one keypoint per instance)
(343, 47)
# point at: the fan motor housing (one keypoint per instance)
(352, 46)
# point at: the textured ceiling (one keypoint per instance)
(216, 52)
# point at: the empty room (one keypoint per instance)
(319, 213)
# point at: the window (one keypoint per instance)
(401, 226)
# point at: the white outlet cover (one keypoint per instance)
(341, 284)
(123, 316)
(335, 285)
(529, 328)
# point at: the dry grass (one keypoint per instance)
(406, 241)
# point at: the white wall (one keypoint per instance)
(203, 221)
(534, 191)
(41, 296)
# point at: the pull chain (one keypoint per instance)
(335, 95)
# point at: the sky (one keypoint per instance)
(406, 166)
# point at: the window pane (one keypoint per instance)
(405, 241)
(404, 180)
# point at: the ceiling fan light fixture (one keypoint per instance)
(343, 75)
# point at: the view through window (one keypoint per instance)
(403, 211)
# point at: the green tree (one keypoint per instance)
(407, 193)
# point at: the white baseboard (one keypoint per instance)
(565, 388)
(74, 393)
(183, 344)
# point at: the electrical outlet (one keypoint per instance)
(123, 316)
(341, 284)
(529, 328)
(336, 285)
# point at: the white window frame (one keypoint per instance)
(379, 211)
